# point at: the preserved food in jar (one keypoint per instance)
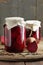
(14, 31)
(33, 29)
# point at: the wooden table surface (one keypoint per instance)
(22, 63)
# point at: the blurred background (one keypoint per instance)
(28, 9)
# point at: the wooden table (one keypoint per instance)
(22, 63)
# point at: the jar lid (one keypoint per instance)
(37, 23)
(33, 24)
(29, 22)
(14, 18)
(13, 21)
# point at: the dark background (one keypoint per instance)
(29, 9)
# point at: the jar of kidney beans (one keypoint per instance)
(33, 29)
(14, 32)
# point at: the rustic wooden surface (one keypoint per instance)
(22, 63)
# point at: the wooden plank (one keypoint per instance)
(12, 63)
(41, 62)
(35, 63)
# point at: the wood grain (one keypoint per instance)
(11, 63)
(35, 63)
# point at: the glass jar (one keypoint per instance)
(14, 32)
(33, 29)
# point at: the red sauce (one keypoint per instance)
(15, 42)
